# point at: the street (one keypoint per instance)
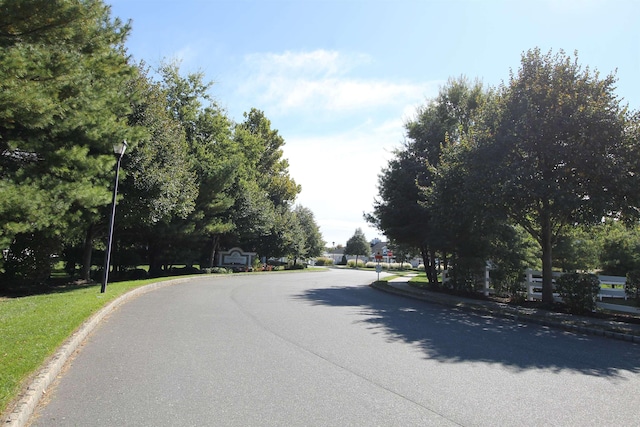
(324, 349)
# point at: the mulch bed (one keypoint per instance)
(556, 307)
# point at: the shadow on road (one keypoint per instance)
(452, 335)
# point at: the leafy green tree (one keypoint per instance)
(302, 235)
(400, 210)
(407, 203)
(291, 240)
(209, 159)
(577, 248)
(263, 151)
(313, 242)
(159, 184)
(217, 159)
(260, 214)
(556, 146)
(63, 103)
(620, 248)
(357, 245)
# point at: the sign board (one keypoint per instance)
(236, 258)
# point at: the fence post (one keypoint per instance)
(528, 284)
(486, 281)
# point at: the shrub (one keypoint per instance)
(135, 274)
(215, 270)
(296, 267)
(466, 275)
(632, 286)
(508, 282)
(324, 261)
(578, 291)
(352, 263)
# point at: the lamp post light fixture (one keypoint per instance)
(118, 149)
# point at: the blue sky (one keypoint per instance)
(338, 79)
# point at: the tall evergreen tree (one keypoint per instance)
(63, 74)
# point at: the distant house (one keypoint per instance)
(335, 254)
(388, 255)
(380, 248)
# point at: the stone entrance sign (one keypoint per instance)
(236, 259)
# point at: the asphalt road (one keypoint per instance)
(324, 349)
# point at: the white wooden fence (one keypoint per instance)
(610, 287)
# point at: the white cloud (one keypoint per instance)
(308, 64)
(339, 174)
(319, 81)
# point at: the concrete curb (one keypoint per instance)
(20, 413)
(510, 313)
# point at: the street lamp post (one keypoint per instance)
(118, 150)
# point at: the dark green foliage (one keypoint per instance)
(467, 274)
(29, 259)
(509, 259)
(632, 286)
(578, 291)
(577, 248)
(296, 266)
(555, 145)
(63, 103)
(413, 194)
(192, 180)
(620, 248)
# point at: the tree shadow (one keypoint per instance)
(453, 335)
(49, 287)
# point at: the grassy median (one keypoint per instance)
(33, 327)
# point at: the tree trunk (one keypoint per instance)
(155, 266)
(547, 273)
(432, 267)
(214, 248)
(86, 254)
(426, 259)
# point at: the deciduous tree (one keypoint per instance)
(357, 245)
(556, 146)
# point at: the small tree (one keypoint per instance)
(357, 245)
